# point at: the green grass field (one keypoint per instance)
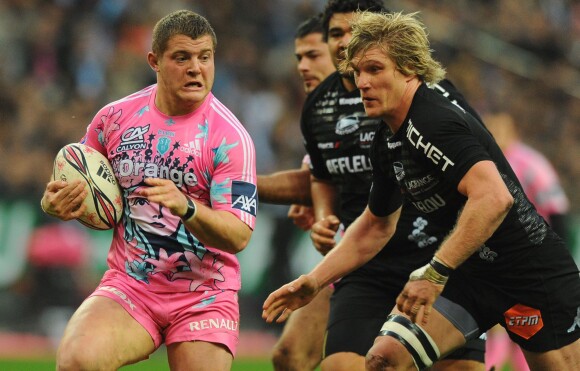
(156, 363)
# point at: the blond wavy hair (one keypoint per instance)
(402, 37)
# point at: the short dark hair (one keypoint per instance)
(180, 22)
(311, 25)
(349, 6)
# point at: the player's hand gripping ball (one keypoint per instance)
(104, 202)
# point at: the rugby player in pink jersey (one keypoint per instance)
(186, 167)
(534, 171)
(541, 184)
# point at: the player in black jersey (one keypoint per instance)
(500, 263)
(299, 347)
(338, 136)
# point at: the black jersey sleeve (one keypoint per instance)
(448, 90)
(317, 165)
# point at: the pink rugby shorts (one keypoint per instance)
(211, 316)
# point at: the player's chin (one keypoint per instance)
(194, 95)
(372, 108)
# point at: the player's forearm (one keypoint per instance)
(285, 187)
(363, 239)
(479, 219)
(219, 229)
(323, 198)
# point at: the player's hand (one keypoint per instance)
(302, 216)
(296, 294)
(323, 233)
(64, 200)
(165, 193)
(417, 298)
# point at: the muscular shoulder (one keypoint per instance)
(432, 113)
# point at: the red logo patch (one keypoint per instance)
(523, 320)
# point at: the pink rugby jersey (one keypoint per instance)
(208, 155)
(538, 178)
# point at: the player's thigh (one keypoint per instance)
(470, 357)
(565, 358)
(358, 310)
(101, 327)
(199, 356)
(303, 334)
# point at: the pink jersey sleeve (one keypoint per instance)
(539, 180)
(233, 183)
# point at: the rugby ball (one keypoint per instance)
(104, 201)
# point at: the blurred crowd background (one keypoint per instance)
(61, 60)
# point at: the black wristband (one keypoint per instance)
(190, 210)
(440, 268)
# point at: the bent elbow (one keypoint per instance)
(240, 243)
(504, 202)
(508, 202)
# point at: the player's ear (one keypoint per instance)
(153, 61)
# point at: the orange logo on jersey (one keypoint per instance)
(523, 320)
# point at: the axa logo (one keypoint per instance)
(523, 321)
(133, 139)
(244, 197)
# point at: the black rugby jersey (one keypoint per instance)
(427, 158)
(338, 136)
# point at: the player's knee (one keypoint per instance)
(385, 354)
(281, 357)
(287, 357)
(402, 345)
(73, 356)
(284, 357)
